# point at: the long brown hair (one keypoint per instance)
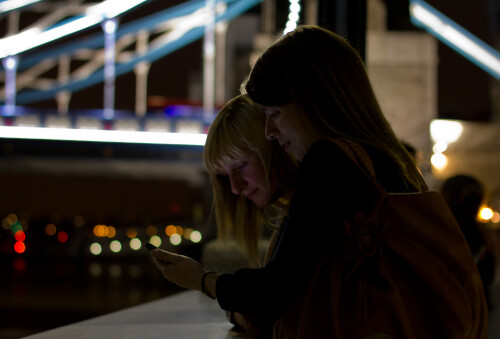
(320, 72)
(238, 130)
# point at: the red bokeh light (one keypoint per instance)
(62, 237)
(20, 236)
(19, 247)
(19, 264)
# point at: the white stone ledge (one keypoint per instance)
(188, 314)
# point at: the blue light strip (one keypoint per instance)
(38, 35)
(450, 33)
(97, 40)
(235, 8)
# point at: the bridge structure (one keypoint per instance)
(38, 61)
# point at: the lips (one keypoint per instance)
(249, 195)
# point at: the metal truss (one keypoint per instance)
(60, 69)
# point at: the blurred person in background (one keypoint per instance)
(465, 195)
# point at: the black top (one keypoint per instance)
(329, 189)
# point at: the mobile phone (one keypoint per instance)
(150, 246)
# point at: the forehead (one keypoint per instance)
(269, 109)
(289, 107)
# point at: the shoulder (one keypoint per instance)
(326, 157)
(324, 150)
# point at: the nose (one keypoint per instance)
(237, 182)
(270, 129)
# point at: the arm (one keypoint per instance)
(184, 271)
(237, 318)
(328, 185)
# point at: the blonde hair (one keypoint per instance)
(237, 131)
(320, 72)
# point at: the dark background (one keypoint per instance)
(56, 283)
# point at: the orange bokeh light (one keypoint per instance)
(111, 232)
(131, 232)
(100, 230)
(170, 230)
(180, 230)
(50, 229)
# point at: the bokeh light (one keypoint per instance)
(198, 212)
(20, 236)
(62, 237)
(195, 236)
(95, 248)
(180, 230)
(440, 146)
(131, 232)
(115, 246)
(100, 231)
(12, 218)
(19, 264)
(446, 130)
(19, 247)
(115, 271)
(175, 239)
(439, 161)
(95, 269)
(16, 227)
(111, 232)
(170, 230)
(51, 229)
(6, 224)
(485, 213)
(187, 233)
(155, 240)
(135, 244)
(495, 218)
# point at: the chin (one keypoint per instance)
(261, 203)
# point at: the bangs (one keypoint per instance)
(225, 147)
(236, 132)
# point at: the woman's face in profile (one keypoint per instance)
(248, 177)
(282, 124)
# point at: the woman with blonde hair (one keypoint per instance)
(235, 149)
(252, 181)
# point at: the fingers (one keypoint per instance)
(164, 256)
(159, 264)
(164, 261)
